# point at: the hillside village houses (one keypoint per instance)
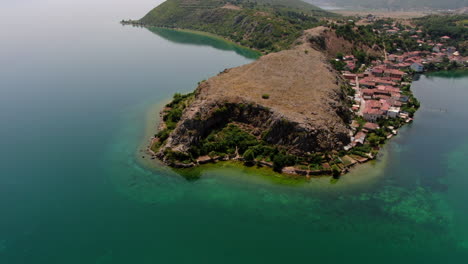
(378, 88)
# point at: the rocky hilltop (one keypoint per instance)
(292, 100)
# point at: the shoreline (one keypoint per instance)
(361, 173)
(196, 32)
(335, 164)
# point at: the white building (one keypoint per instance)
(393, 112)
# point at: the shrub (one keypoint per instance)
(335, 171)
(266, 96)
(281, 160)
(249, 155)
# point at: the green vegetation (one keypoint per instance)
(448, 25)
(236, 140)
(232, 140)
(171, 116)
(228, 140)
(265, 25)
(412, 106)
(174, 109)
(266, 96)
(401, 4)
(338, 64)
(367, 35)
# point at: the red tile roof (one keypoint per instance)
(371, 126)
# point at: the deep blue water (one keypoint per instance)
(79, 95)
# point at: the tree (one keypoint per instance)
(374, 140)
(335, 171)
(339, 56)
(249, 155)
(278, 162)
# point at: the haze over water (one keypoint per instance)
(77, 91)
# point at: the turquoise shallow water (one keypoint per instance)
(77, 93)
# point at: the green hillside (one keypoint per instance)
(299, 4)
(400, 4)
(266, 25)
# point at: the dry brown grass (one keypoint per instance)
(299, 82)
(231, 6)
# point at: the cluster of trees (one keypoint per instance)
(453, 26)
(358, 34)
(232, 140)
(449, 25)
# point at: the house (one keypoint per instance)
(451, 49)
(445, 38)
(350, 66)
(373, 110)
(349, 76)
(378, 72)
(367, 83)
(382, 81)
(417, 67)
(371, 126)
(414, 53)
(359, 138)
(385, 105)
(403, 65)
(392, 57)
(398, 58)
(393, 112)
(370, 18)
(368, 93)
(372, 115)
(395, 74)
(437, 47)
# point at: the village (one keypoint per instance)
(382, 99)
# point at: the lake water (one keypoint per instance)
(79, 95)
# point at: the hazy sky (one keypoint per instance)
(75, 9)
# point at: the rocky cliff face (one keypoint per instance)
(292, 99)
(328, 42)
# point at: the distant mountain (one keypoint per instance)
(396, 4)
(266, 25)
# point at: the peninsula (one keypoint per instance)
(326, 95)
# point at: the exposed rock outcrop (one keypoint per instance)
(327, 41)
